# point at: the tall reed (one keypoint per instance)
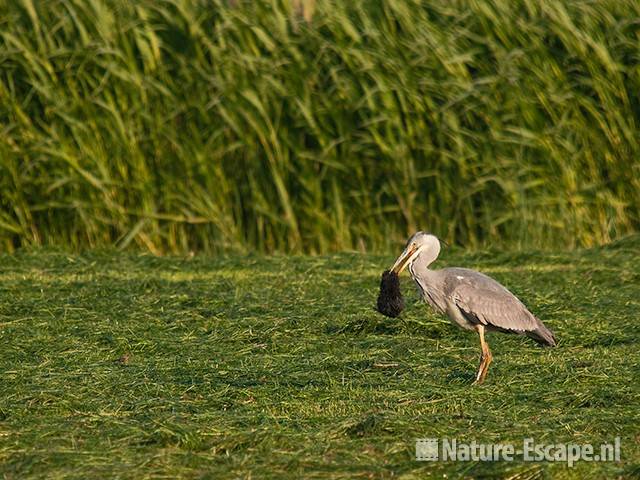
(179, 125)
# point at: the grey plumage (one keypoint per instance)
(480, 300)
(470, 299)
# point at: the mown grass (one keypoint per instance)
(131, 366)
(174, 125)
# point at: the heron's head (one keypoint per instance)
(421, 244)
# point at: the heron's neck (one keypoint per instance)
(419, 268)
(423, 272)
(429, 283)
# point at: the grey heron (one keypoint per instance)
(470, 299)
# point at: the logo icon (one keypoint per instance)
(427, 449)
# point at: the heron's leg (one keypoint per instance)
(485, 358)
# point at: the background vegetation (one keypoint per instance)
(178, 125)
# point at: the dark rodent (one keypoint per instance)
(390, 302)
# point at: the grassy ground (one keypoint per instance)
(117, 365)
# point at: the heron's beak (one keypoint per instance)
(404, 258)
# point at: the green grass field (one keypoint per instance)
(131, 366)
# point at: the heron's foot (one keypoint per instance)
(479, 378)
(485, 361)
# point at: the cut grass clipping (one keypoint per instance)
(130, 366)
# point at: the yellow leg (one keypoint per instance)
(485, 359)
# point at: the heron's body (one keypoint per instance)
(471, 300)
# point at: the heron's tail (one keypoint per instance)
(542, 335)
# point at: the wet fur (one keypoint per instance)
(390, 302)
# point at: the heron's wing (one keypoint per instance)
(500, 309)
